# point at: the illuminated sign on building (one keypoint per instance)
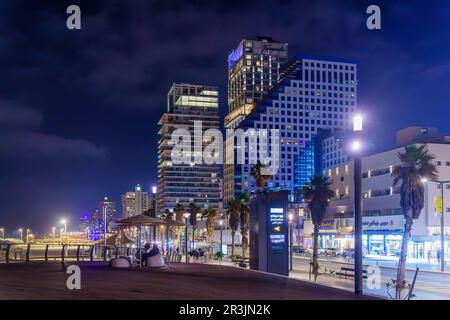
(234, 56)
(276, 236)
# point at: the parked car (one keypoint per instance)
(330, 252)
(302, 250)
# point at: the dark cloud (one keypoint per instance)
(20, 137)
(78, 93)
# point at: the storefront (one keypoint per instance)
(382, 243)
(327, 234)
(427, 247)
(383, 235)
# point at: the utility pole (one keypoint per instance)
(357, 179)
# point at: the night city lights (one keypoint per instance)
(225, 159)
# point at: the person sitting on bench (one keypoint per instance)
(153, 252)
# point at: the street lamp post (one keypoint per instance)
(442, 227)
(2, 231)
(221, 238)
(291, 247)
(21, 234)
(358, 202)
(105, 223)
(186, 217)
(28, 236)
(64, 222)
(442, 222)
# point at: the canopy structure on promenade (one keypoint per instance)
(143, 221)
(112, 240)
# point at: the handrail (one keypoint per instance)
(8, 247)
(28, 252)
(46, 252)
(63, 265)
(63, 252)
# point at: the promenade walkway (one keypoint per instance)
(39, 280)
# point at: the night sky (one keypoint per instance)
(79, 109)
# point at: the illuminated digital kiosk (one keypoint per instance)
(269, 233)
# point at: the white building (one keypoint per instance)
(382, 214)
(135, 202)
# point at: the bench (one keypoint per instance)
(350, 272)
(242, 262)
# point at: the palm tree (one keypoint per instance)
(167, 215)
(179, 211)
(416, 164)
(260, 179)
(193, 209)
(233, 218)
(211, 215)
(244, 217)
(317, 193)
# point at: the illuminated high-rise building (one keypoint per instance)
(107, 208)
(194, 181)
(253, 69)
(135, 202)
(312, 94)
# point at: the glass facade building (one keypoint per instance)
(253, 70)
(311, 95)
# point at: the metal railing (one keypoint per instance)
(62, 252)
(15, 253)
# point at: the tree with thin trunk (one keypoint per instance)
(167, 215)
(194, 210)
(211, 215)
(244, 214)
(317, 194)
(260, 177)
(415, 164)
(233, 218)
(179, 216)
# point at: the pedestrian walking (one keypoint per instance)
(438, 255)
(429, 256)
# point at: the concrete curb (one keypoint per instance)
(386, 267)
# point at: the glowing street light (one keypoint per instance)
(357, 123)
(2, 231)
(442, 218)
(21, 233)
(357, 176)
(356, 145)
(221, 236)
(64, 223)
(186, 216)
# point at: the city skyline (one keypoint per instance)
(66, 145)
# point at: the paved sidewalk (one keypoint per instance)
(179, 281)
